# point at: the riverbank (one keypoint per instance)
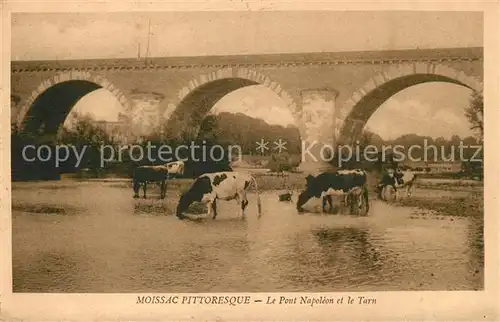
(471, 205)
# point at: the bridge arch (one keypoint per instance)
(361, 105)
(185, 116)
(50, 103)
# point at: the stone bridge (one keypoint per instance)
(331, 95)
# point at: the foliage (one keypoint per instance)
(239, 129)
(84, 133)
(475, 113)
(392, 152)
(282, 162)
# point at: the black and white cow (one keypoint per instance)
(155, 173)
(397, 179)
(209, 187)
(349, 184)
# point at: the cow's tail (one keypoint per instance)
(259, 204)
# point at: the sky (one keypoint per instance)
(39, 36)
(43, 36)
(247, 100)
(440, 113)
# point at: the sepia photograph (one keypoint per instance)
(247, 152)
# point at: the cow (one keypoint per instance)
(349, 184)
(155, 173)
(209, 187)
(397, 179)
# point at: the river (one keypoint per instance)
(94, 237)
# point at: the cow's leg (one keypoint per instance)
(144, 187)
(209, 208)
(324, 199)
(342, 199)
(409, 190)
(163, 189)
(348, 202)
(214, 208)
(244, 202)
(356, 203)
(330, 203)
(360, 199)
(136, 187)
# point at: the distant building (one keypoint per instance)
(444, 167)
(436, 167)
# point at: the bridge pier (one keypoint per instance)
(317, 129)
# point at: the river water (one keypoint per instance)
(94, 237)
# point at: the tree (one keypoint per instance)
(209, 130)
(475, 113)
(84, 133)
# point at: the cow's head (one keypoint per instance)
(185, 201)
(303, 198)
(176, 167)
(200, 187)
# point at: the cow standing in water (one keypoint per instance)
(227, 186)
(155, 173)
(397, 179)
(349, 184)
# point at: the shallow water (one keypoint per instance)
(94, 237)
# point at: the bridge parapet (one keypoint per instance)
(446, 55)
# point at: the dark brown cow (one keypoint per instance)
(150, 173)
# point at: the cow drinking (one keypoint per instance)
(209, 187)
(349, 184)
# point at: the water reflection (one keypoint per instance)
(353, 242)
(333, 258)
